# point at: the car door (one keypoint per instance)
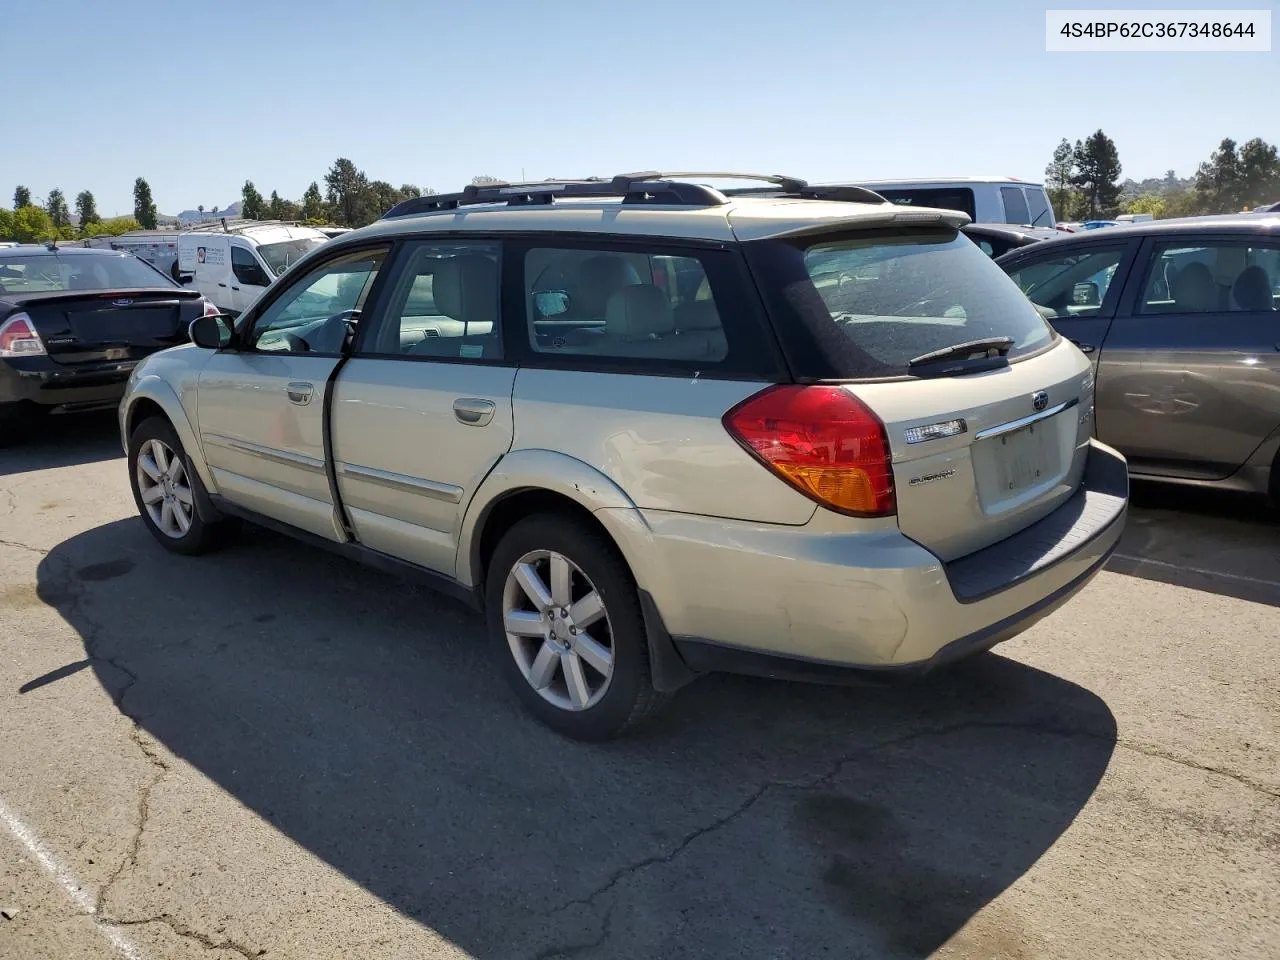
(422, 410)
(260, 403)
(1076, 286)
(1189, 384)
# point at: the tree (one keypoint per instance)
(86, 209)
(383, 196)
(32, 224)
(484, 178)
(112, 227)
(1057, 176)
(252, 206)
(1150, 203)
(348, 192)
(57, 207)
(282, 209)
(144, 208)
(1259, 173)
(408, 190)
(313, 203)
(21, 198)
(1097, 174)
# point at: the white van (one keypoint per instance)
(1135, 217)
(984, 199)
(232, 264)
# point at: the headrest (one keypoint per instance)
(638, 312)
(466, 288)
(1193, 289)
(598, 278)
(699, 315)
(1252, 290)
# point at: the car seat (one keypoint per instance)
(1193, 290)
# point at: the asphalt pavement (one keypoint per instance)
(273, 752)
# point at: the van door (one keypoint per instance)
(249, 275)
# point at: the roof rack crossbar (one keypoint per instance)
(787, 183)
(632, 188)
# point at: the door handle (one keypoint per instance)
(473, 411)
(1085, 347)
(299, 392)
(222, 284)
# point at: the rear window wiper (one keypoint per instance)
(985, 349)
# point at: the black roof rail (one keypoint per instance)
(844, 193)
(779, 180)
(648, 188)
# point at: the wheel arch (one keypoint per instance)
(152, 396)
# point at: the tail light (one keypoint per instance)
(18, 338)
(824, 442)
(210, 310)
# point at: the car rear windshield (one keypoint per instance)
(280, 256)
(862, 306)
(48, 272)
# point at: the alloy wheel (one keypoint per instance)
(164, 489)
(558, 630)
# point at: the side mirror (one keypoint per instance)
(552, 303)
(1085, 294)
(212, 332)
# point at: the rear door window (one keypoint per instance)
(1039, 204)
(865, 305)
(1015, 205)
(1212, 278)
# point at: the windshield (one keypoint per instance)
(48, 272)
(280, 256)
(863, 306)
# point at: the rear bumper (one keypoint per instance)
(790, 602)
(31, 383)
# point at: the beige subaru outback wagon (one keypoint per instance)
(652, 429)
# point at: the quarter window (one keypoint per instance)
(444, 304)
(1073, 285)
(318, 312)
(1219, 278)
(622, 304)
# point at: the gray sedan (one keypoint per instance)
(1181, 319)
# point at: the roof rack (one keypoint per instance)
(843, 193)
(668, 188)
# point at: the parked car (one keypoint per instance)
(997, 239)
(1181, 321)
(1098, 224)
(74, 322)
(984, 199)
(231, 264)
(652, 432)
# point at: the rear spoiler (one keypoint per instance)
(129, 293)
(882, 217)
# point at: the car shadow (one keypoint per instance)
(1208, 540)
(63, 440)
(364, 719)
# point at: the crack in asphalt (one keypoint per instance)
(835, 768)
(17, 545)
(189, 933)
(1150, 750)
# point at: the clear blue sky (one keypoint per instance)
(199, 97)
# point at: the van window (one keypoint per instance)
(246, 268)
(1015, 205)
(1040, 216)
(863, 306)
(944, 198)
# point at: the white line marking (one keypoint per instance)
(1200, 570)
(67, 880)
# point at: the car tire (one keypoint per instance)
(538, 661)
(166, 495)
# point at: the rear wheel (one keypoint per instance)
(165, 489)
(565, 618)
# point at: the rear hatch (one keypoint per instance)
(103, 325)
(987, 413)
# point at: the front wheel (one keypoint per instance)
(564, 615)
(165, 487)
